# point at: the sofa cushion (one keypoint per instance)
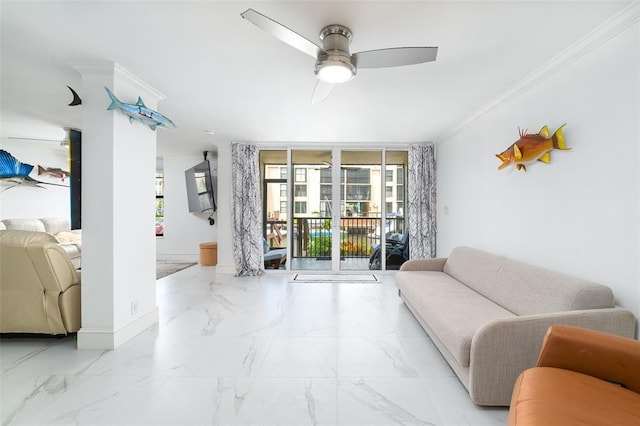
(432, 293)
(67, 237)
(547, 395)
(55, 225)
(524, 289)
(24, 239)
(21, 224)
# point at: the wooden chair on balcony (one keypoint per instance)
(275, 236)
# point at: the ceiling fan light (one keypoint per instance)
(335, 72)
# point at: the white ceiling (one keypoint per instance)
(219, 72)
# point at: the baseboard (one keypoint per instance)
(178, 257)
(226, 269)
(108, 339)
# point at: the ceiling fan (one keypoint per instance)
(334, 63)
(328, 165)
(63, 142)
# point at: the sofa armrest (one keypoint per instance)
(605, 356)
(54, 267)
(435, 264)
(503, 348)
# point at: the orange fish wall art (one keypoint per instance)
(532, 147)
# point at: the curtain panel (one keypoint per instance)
(421, 207)
(246, 211)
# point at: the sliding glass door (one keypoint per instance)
(344, 208)
(395, 238)
(372, 193)
(360, 214)
(312, 209)
(275, 207)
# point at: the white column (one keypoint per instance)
(118, 202)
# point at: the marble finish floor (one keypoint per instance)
(240, 351)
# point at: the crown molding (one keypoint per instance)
(115, 69)
(625, 18)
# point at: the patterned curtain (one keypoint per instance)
(246, 211)
(421, 207)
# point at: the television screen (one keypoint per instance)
(200, 188)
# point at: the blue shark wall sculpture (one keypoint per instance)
(140, 112)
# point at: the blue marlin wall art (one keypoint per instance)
(14, 173)
(140, 112)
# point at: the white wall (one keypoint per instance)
(226, 262)
(579, 214)
(30, 202)
(183, 231)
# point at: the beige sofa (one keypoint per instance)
(39, 287)
(70, 241)
(488, 314)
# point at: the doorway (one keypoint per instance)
(344, 207)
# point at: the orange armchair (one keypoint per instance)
(582, 377)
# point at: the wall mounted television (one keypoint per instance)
(200, 188)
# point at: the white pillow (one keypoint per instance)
(67, 237)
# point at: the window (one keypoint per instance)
(283, 190)
(358, 175)
(389, 208)
(388, 175)
(300, 207)
(325, 208)
(389, 191)
(283, 207)
(355, 189)
(358, 192)
(400, 187)
(325, 175)
(301, 175)
(159, 204)
(300, 191)
(283, 172)
(325, 192)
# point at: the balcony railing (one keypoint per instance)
(312, 237)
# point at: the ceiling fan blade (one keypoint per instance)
(282, 33)
(395, 57)
(321, 91)
(35, 139)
